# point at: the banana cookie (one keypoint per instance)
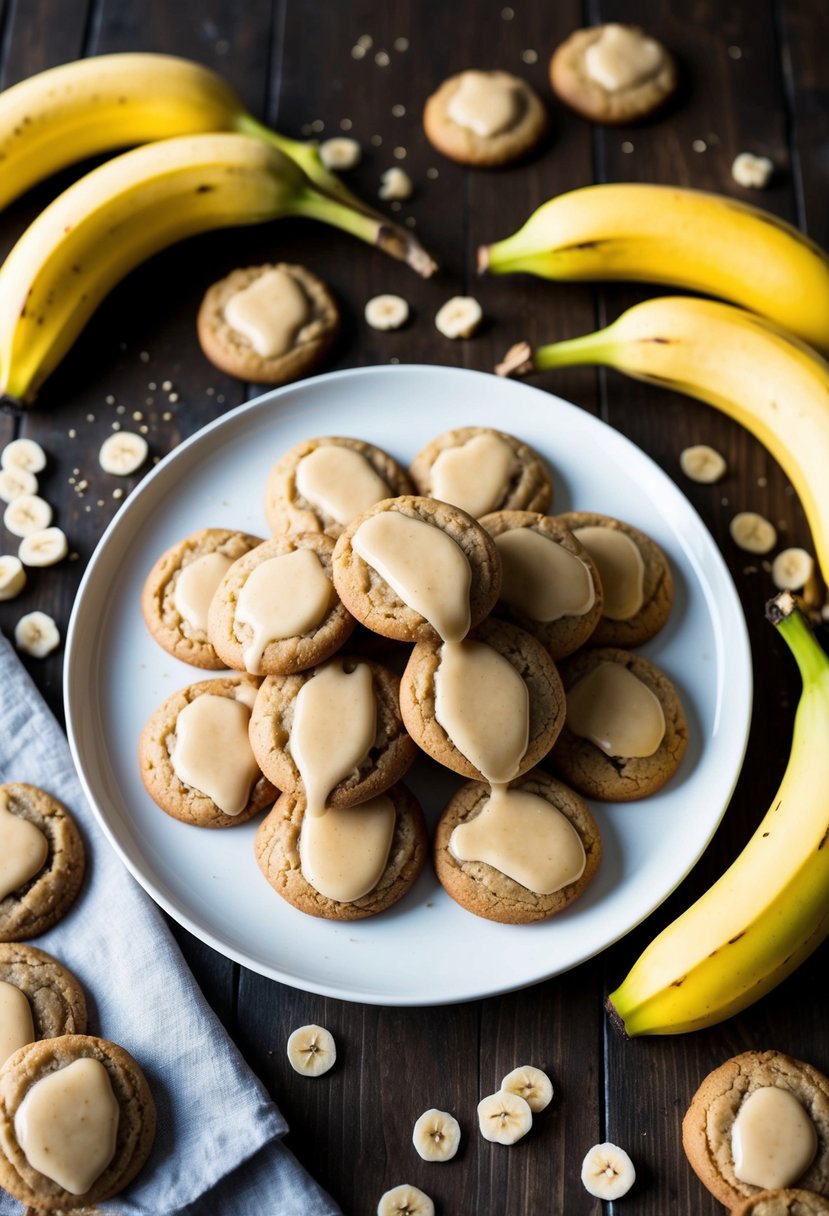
(485, 119)
(48, 1157)
(613, 73)
(195, 756)
(414, 569)
(268, 324)
(39, 998)
(180, 586)
(791, 1201)
(636, 579)
(42, 861)
(349, 862)
(759, 1123)
(519, 853)
(489, 707)
(481, 470)
(625, 731)
(276, 610)
(550, 584)
(321, 484)
(333, 734)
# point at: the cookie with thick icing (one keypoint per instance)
(42, 863)
(481, 470)
(485, 119)
(49, 1000)
(613, 73)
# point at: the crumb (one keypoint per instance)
(529, 56)
(627, 146)
(382, 59)
(401, 44)
(699, 145)
(753, 172)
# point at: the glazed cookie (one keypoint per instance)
(787, 1202)
(321, 484)
(485, 119)
(348, 863)
(195, 756)
(545, 858)
(498, 697)
(268, 324)
(415, 569)
(624, 700)
(550, 585)
(39, 998)
(276, 611)
(636, 579)
(724, 1132)
(481, 470)
(47, 1157)
(333, 734)
(42, 862)
(613, 73)
(180, 586)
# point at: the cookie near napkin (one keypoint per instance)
(218, 1147)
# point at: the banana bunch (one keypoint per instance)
(770, 909)
(746, 367)
(208, 164)
(686, 238)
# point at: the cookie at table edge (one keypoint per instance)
(55, 997)
(47, 897)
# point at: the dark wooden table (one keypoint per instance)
(756, 77)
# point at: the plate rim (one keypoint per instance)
(264, 401)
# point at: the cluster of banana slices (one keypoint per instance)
(28, 517)
(459, 317)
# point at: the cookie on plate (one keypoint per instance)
(195, 756)
(613, 73)
(489, 708)
(481, 470)
(268, 324)
(42, 863)
(790, 1201)
(276, 610)
(180, 586)
(45, 1161)
(550, 584)
(485, 119)
(39, 998)
(413, 568)
(625, 732)
(349, 862)
(724, 1129)
(333, 734)
(636, 579)
(528, 873)
(321, 484)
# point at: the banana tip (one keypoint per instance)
(518, 361)
(779, 607)
(483, 259)
(11, 405)
(615, 1018)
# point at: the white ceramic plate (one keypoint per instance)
(426, 950)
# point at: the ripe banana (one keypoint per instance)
(95, 105)
(774, 385)
(109, 221)
(687, 238)
(770, 909)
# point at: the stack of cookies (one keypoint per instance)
(436, 613)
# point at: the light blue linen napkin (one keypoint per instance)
(218, 1149)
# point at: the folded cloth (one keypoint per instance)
(218, 1148)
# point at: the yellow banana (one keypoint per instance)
(105, 102)
(770, 909)
(774, 385)
(109, 221)
(687, 238)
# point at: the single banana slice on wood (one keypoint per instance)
(340, 152)
(36, 634)
(311, 1050)
(459, 317)
(122, 453)
(43, 548)
(387, 312)
(504, 1117)
(23, 454)
(702, 463)
(753, 532)
(395, 185)
(405, 1200)
(12, 576)
(792, 569)
(607, 1171)
(531, 1084)
(436, 1135)
(26, 514)
(14, 482)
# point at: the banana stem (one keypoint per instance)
(783, 612)
(374, 230)
(522, 360)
